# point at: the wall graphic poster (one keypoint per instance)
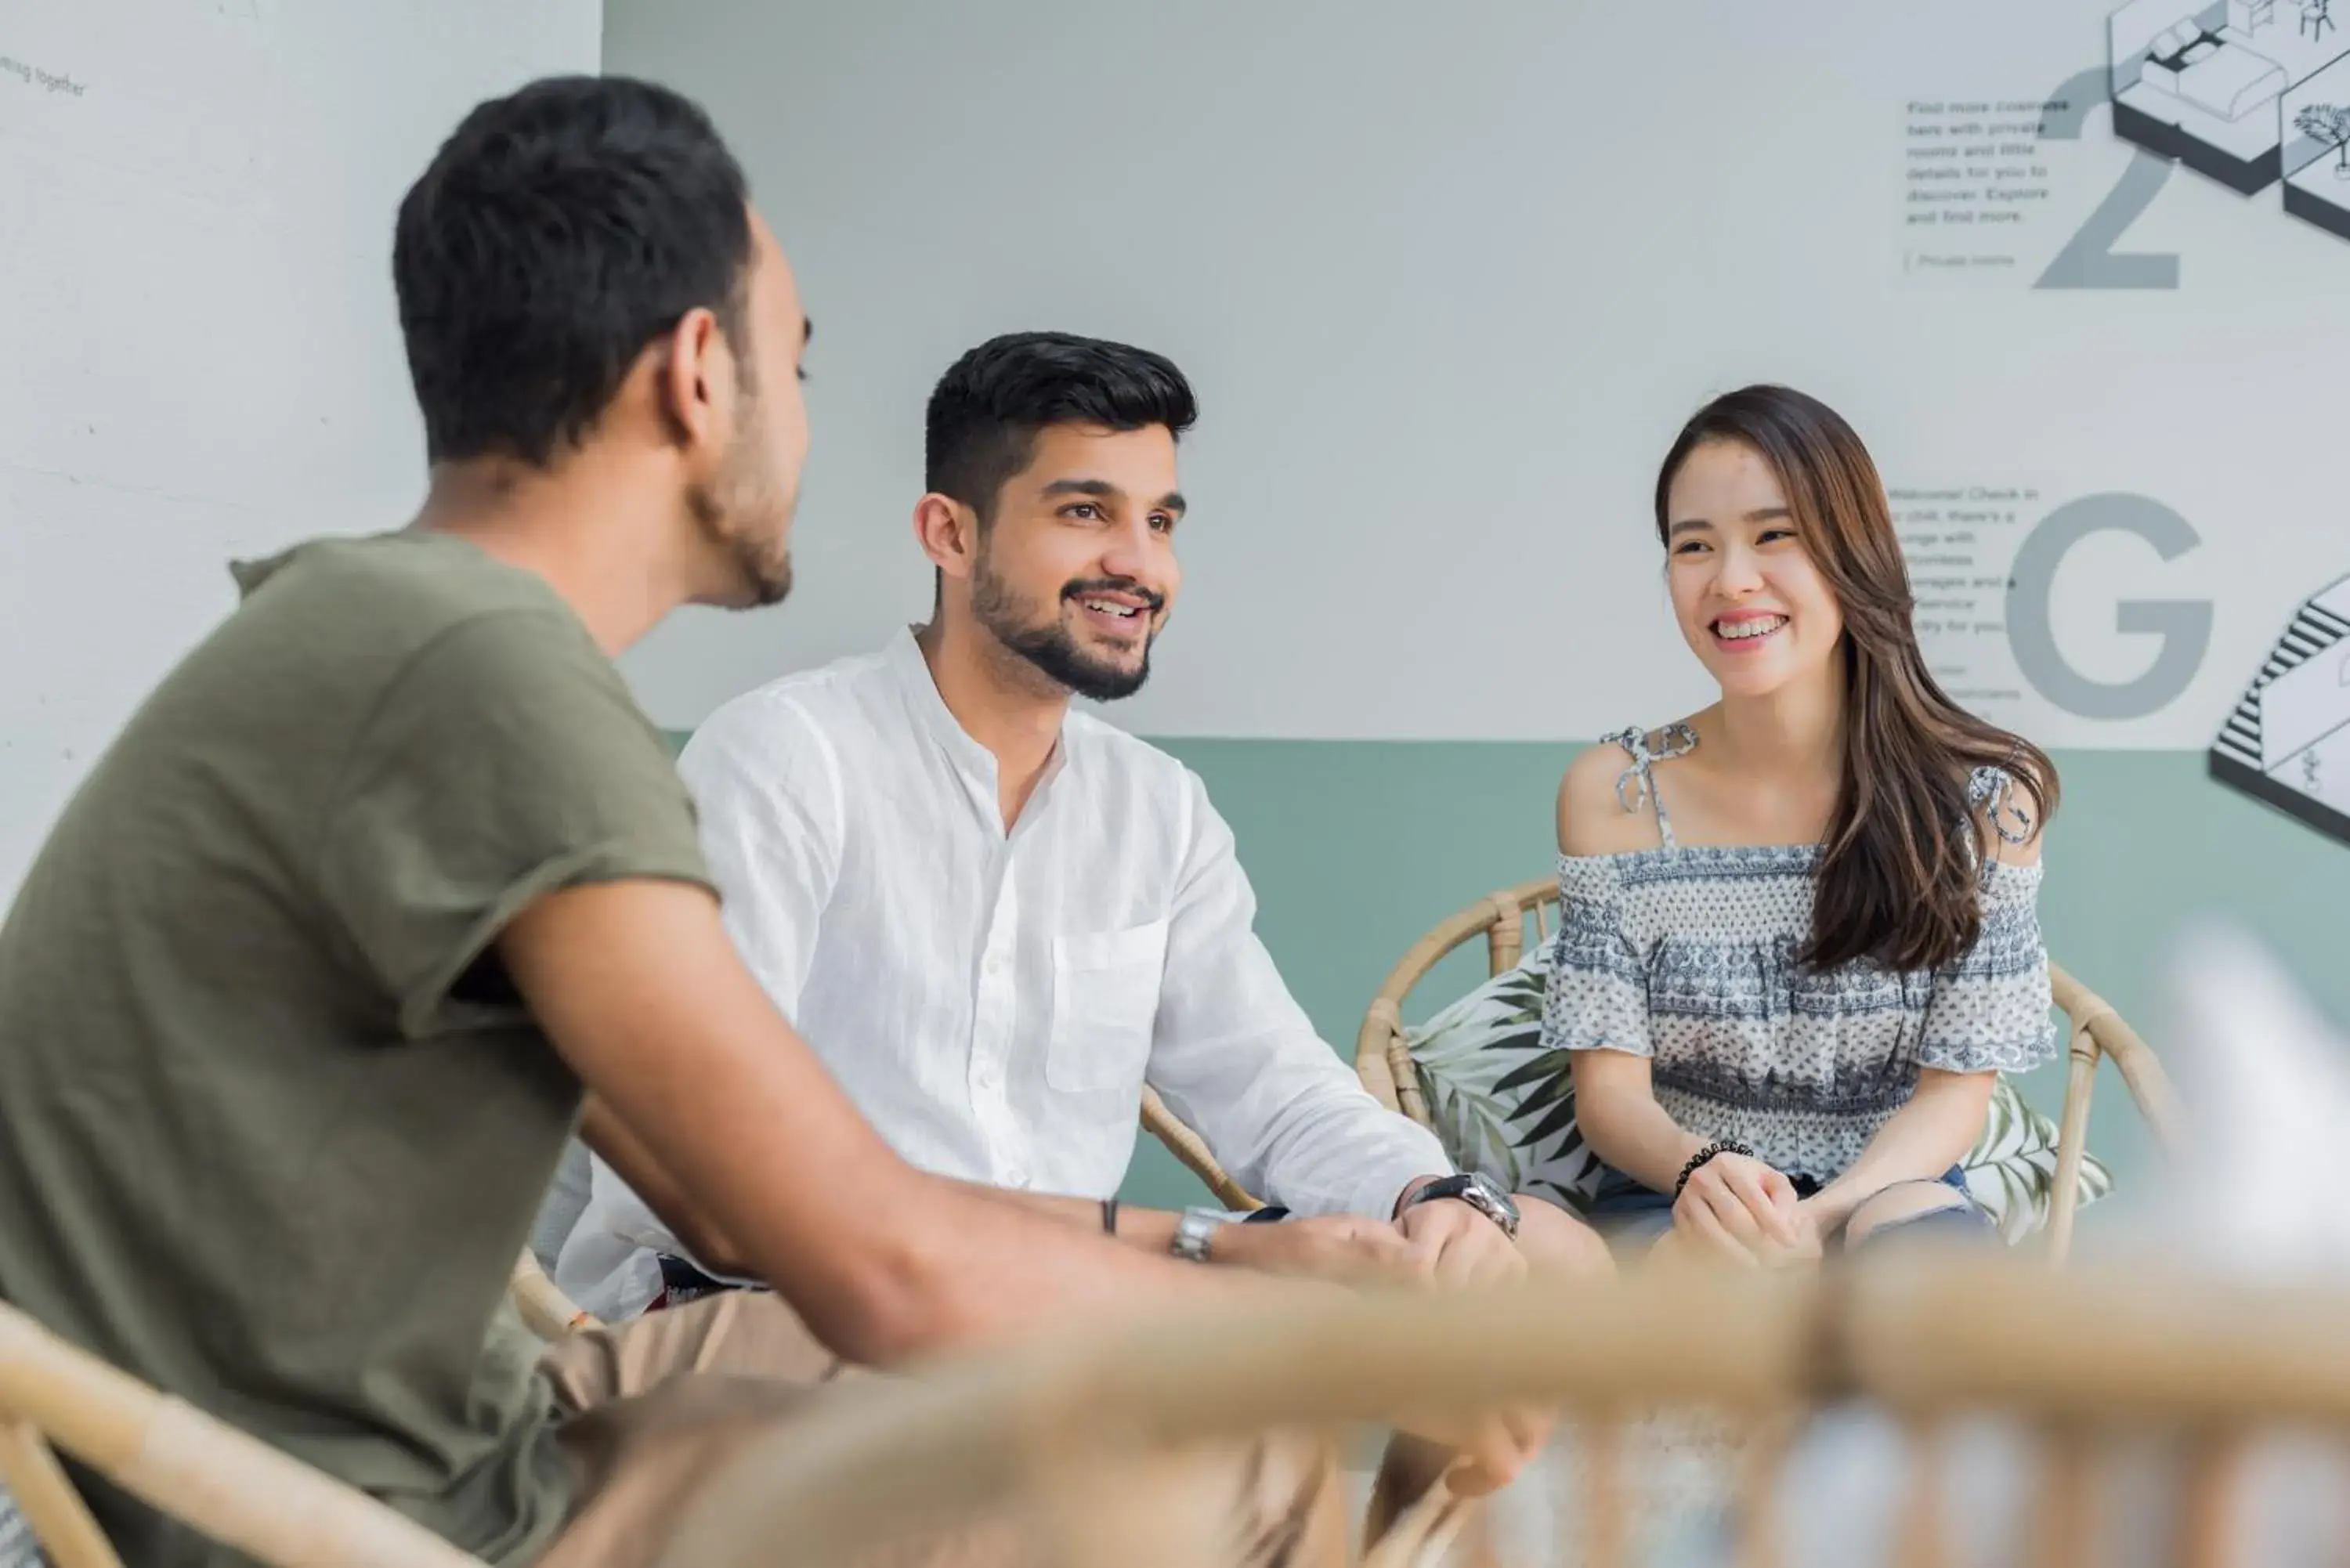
(2225, 107)
(2251, 93)
(2288, 740)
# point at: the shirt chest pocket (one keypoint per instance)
(1105, 999)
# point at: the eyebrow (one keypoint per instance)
(1103, 490)
(807, 330)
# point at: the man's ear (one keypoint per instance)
(947, 532)
(698, 382)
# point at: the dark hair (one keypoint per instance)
(558, 231)
(986, 411)
(1898, 876)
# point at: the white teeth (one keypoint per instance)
(1744, 629)
(1122, 611)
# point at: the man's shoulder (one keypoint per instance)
(820, 699)
(1120, 754)
(416, 583)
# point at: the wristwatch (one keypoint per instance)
(1480, 1193)
(1193, 1232)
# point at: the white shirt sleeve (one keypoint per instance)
(766, 784)
(1237, 1060)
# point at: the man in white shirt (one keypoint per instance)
(998, 920)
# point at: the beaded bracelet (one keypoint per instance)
(1720, 1145)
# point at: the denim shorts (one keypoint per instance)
(1630, 1216)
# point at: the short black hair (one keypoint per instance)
(987, 410)
(558, 231)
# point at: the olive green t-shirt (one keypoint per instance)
(273, 1123)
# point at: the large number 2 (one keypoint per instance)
(2088, 259)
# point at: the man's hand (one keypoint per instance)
(1459, 1245)
(1737, 1209)
(1343, 1247)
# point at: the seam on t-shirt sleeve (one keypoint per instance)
(420, 1006)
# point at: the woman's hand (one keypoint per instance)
(1739, 1210)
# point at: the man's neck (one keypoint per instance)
(569, 528)
(1001, 701)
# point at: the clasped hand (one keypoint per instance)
(1738, 1209)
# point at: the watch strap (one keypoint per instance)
(1475, 1191)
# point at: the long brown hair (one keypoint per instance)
(1897, 879)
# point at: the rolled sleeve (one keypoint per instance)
(1237, 1060)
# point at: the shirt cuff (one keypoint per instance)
(1411, 1153)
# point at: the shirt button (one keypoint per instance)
(994, 965)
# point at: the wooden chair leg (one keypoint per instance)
(2207, 1514)
(44, 1494)
(2066, 1533)
(2072, 1138)
(1921, 1536)
(1762, 1462)
(1607, 1513)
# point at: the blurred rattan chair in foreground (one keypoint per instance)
(2068, 1357)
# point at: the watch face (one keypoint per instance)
(1493, 1194)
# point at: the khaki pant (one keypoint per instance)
(661, 1404)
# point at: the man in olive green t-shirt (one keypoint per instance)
(299, 1001)
(273, 1120)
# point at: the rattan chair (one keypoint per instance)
(2097, 1032)
(197, 1468)
(2075, 1359)
(231, 1486)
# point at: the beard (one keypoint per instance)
(1046, 642)
(746, 510)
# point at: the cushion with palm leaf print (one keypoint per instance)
(1504, 1106)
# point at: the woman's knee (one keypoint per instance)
(1903, 1203)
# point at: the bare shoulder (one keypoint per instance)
(2009, 816)
(1591, 815)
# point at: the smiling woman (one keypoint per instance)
(1790, 968)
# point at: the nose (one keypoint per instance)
(1133, 552)
(1741, 572)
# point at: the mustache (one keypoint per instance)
(1079, 590)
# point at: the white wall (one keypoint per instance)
(1447, 278)
(199, 352)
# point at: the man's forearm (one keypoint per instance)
(1146, 1229)
(663, 1193)
(1149, 1229)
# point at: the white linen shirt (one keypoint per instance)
(995, 1002)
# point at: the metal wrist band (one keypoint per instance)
(1719, 1147)
(1192, 1232)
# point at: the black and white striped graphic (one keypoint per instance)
(2287, 742)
